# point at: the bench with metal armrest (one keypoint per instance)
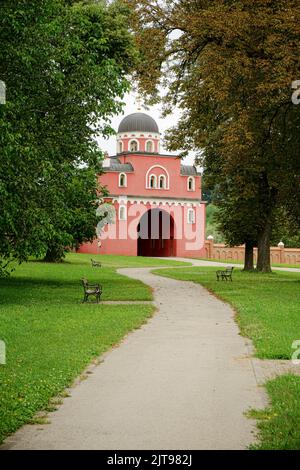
(225, 274)
(95, 264)
(91, 290)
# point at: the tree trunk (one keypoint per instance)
(249, 256)
(264, 252)
(54, 255)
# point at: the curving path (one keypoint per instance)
(203, 262)
(182, 381)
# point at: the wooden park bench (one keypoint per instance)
(95, 264)
(225, 274)
(91, 289)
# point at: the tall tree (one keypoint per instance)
(229, 66)
(66, 66)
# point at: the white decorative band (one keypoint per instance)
(157, 201)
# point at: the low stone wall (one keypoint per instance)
(279, 254)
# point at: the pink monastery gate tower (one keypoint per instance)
(157, 203)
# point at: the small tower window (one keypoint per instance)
(162, 182)
(122, 180)
(122, 213)
(191, 184)
(120, 147)
(152, 181)
(149, 146)
(191, 216)
(133, 146)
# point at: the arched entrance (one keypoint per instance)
(156, 234)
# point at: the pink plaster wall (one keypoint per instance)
(136, 182)
(121, 238)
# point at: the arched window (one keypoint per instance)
(149, 146)
(122, 213)
(150, 173)
(122, 180)
(152, 181)
(191, 216)
(120, 147)
(162, 182)
(191, 183)
(133, 146)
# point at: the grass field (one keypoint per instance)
(51, 336)
(124, 261)
(279, 424)
(267, 308)
(267, 305)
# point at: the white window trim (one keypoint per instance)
(125, 180)
(191, 178)
(125, 212)
(129, 145)
(166, 174)
(165, 181)
(191, 219)
(155, 181)
(152, 144)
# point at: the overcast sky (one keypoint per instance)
(109, 145)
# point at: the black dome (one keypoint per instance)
(138, 122)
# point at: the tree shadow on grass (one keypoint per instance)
(30, 291)
(64, 262)
(33, 291)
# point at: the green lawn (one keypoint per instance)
(279, 424)
(124, 261)
(51, 336)
(267, 307)
(49, 345)
(37, 280)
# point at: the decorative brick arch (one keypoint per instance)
(162, 168)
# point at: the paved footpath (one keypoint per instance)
(203, 262)
(182, 381)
